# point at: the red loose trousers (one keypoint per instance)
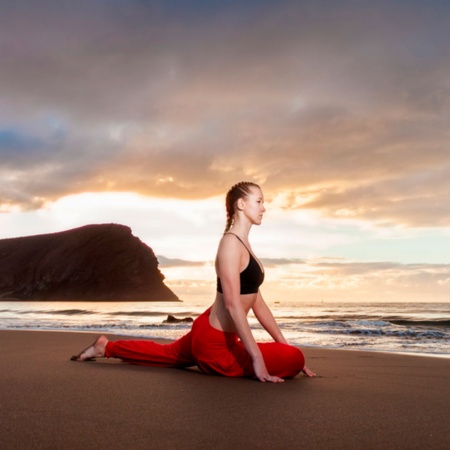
(212, 350)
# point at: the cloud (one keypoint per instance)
(175, 262)
(338, 108)
(325, 278)
(380, 281)
(275, 262)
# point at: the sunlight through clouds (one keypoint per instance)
(145, 113)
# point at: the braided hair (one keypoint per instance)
(239, 190)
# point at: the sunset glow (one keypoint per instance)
(145, 113)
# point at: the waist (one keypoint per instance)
(203, 325)
(220, 318)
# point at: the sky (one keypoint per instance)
(144, 113)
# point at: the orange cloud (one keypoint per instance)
(342, 110)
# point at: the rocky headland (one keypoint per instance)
(91, 263)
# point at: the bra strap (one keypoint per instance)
(249, 252)
(241, 241)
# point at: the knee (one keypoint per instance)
(300, 358)
(296, 359)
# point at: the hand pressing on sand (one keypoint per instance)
(261, 373)
(308, 372)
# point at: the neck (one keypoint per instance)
(241, 229)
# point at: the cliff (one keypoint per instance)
(95, 262)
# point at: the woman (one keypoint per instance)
(221, 341)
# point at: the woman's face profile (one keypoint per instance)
(253, 205)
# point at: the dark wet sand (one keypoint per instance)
(359, 400)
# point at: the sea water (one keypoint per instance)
(421, 328)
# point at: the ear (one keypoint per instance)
(240, 204)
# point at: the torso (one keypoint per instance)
(251, 278)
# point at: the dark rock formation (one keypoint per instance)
(95, 262)
(173, 319)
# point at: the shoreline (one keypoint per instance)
(358, 400)
(425, 329)
(162, 339)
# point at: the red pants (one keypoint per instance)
(212, 350)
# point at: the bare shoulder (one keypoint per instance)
(229, 256)
(229, 246)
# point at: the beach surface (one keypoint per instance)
(358, 400)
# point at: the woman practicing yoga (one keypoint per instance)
(220, 341)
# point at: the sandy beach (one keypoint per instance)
(358, 400)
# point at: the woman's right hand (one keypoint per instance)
(308, 372)
(261, 372)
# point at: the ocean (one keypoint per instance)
(418, 328)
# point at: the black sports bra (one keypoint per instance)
(251, 277)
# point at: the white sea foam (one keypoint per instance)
(398, 327)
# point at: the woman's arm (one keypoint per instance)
(265, 318)
(228, 268)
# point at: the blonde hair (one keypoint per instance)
(237, 191)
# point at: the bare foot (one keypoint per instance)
(96, 350)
